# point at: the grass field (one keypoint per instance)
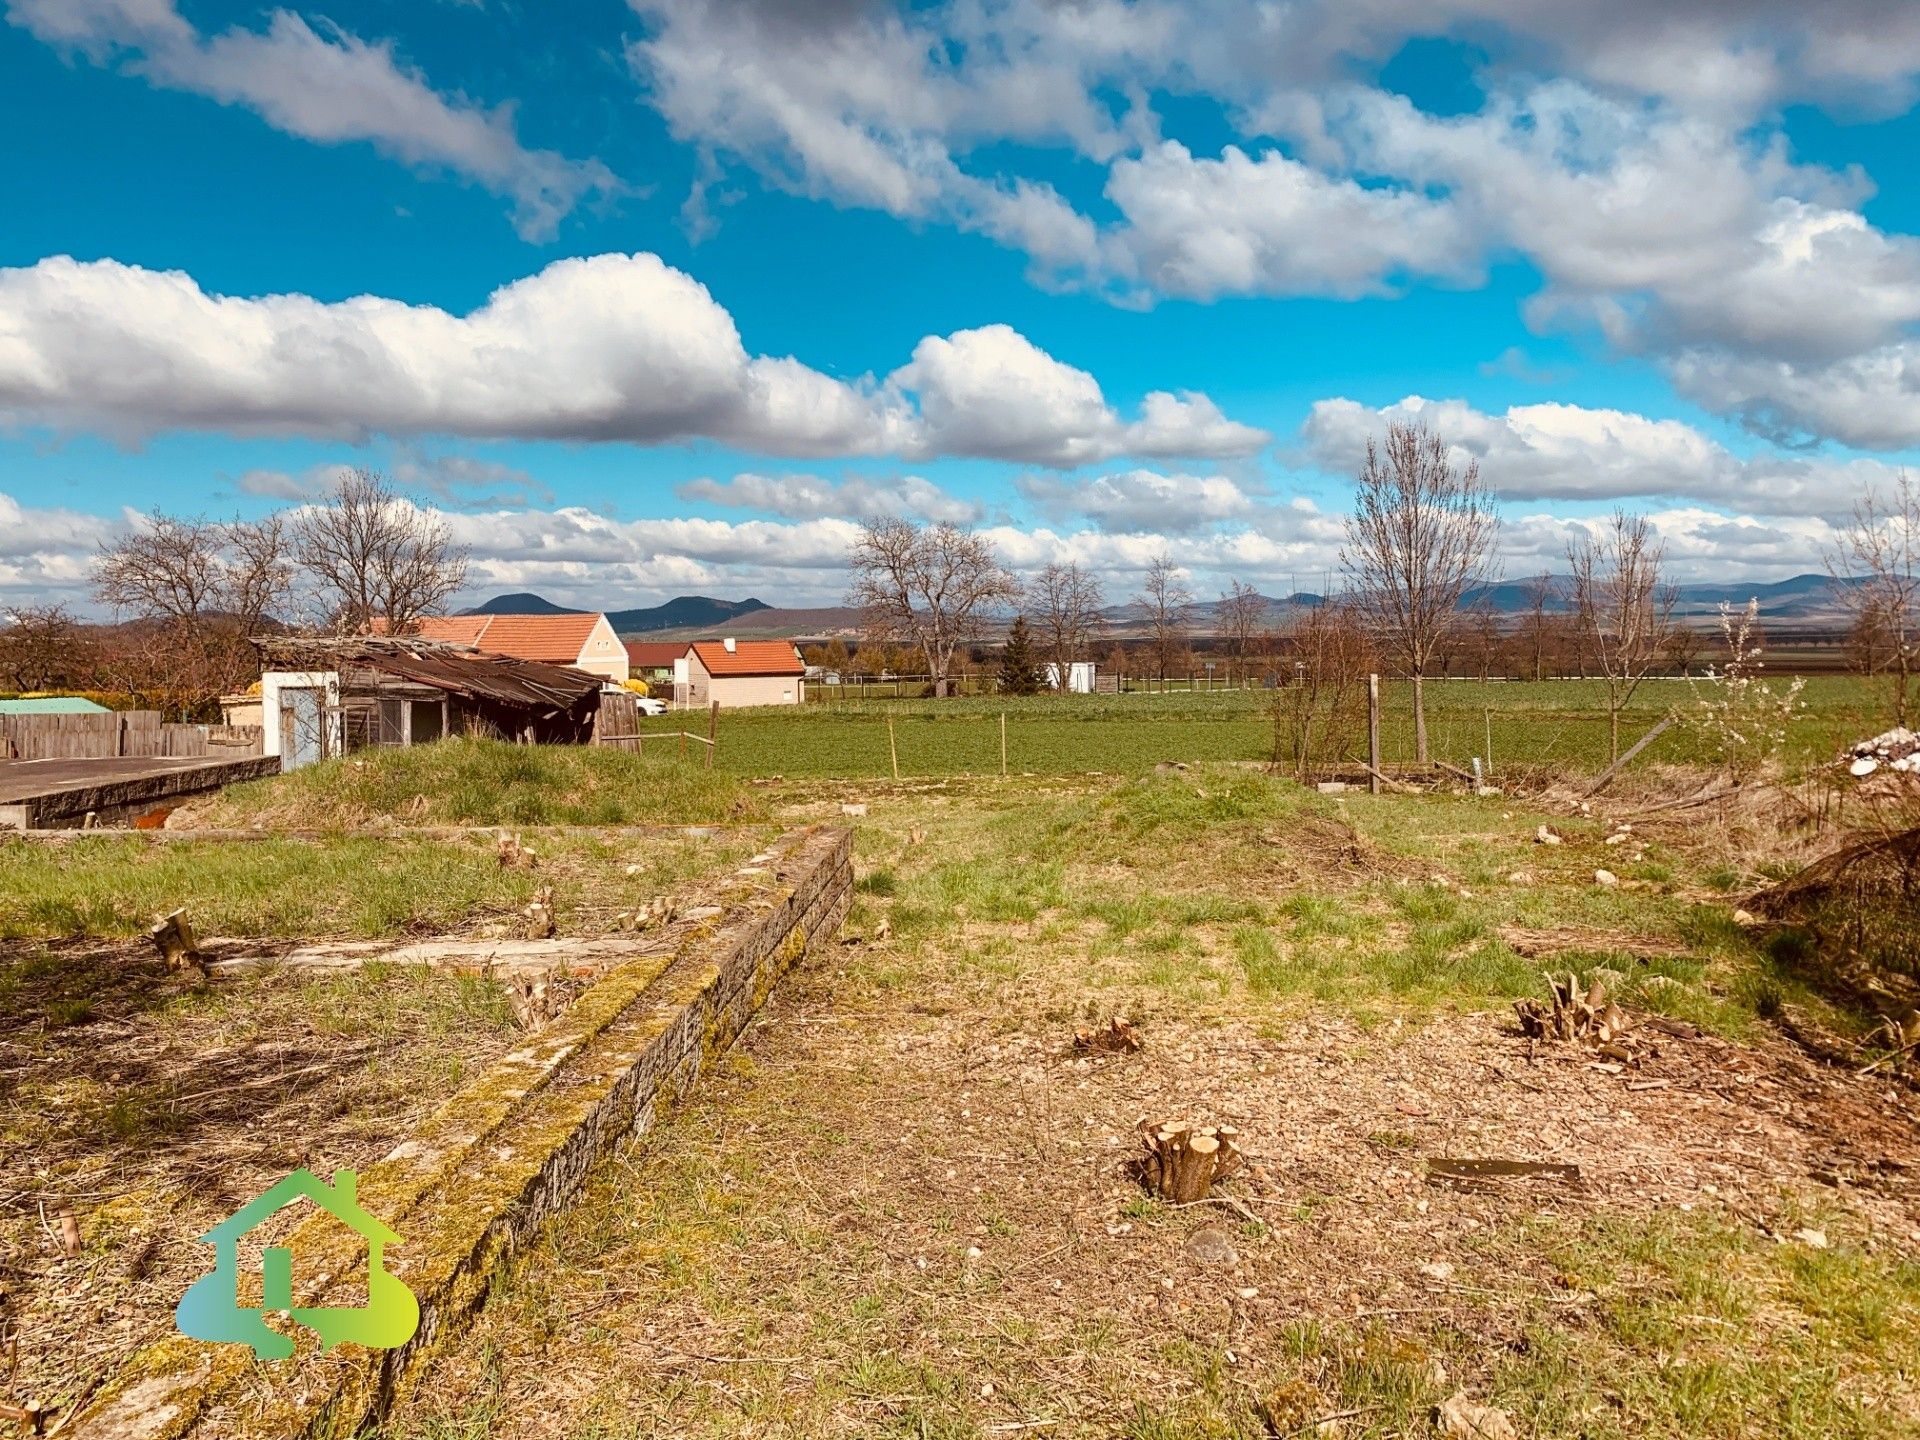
(1554, 723)
(901, 1208)
(483, 782)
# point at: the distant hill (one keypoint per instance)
(772, 623)
(520, 603)
(684, 610)
(699, 611)
(1808, 599)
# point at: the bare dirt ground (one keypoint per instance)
(905, 1205)
(154, 1108)
(139, 1107)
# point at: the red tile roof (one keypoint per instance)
(749, 657)
(654, 654)
(552, 638)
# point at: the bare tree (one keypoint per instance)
(259, 570)
(1167, 600)
(1421, 533)
(1876, 572)
(1242, 623)
(375, 557)
(930, 585)
(170, 568)
(1489, 638)
(1316, 712)
(1684, 644)
(1535, 631)
(1064, 602)
(42, 647)
(184, 585)
(1626, 611)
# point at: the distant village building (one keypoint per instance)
(1080, 677)
(652, 661)
(581, 639)
(739, 672)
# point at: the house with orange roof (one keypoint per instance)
(739, 672)
(652, 661)
(578, 638)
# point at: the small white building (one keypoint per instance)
(739, 672)
(301, 721)
(1080, 677)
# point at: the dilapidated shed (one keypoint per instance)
(321, 697)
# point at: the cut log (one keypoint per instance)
(1184, 1161)
(536, 998)
(173, 937)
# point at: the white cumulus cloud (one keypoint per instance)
(1572, 452)
(603, 348)
(806, 497)
(328, 86)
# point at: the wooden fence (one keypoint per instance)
(95, 737)
(618, 726)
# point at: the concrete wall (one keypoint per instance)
(509, 1151)
(733, 691)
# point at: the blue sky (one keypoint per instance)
(1107, 279)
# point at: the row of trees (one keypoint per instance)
(189, 592)
(1421, 537)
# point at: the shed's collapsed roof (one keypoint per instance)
(477, 675)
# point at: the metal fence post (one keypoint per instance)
(1373, 734)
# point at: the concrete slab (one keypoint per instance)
(59, 794)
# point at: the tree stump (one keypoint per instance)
(1184, 1161)
(539, 915)
(1117, 1038)
(173, 937)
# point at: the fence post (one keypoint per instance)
(1003, 744)
(713, 731)
(893, 749)
(1373, 734)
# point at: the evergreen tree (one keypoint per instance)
(1019, 674)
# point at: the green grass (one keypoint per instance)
(1555, 723)
(487, 782)
(347, 886)
(359, 886)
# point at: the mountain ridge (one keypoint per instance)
(1799, 597)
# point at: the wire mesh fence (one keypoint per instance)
(1510, 727)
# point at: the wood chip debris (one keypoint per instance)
(1485, 1174)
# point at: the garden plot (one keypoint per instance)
(350, 986)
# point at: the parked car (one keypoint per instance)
(650, 706)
